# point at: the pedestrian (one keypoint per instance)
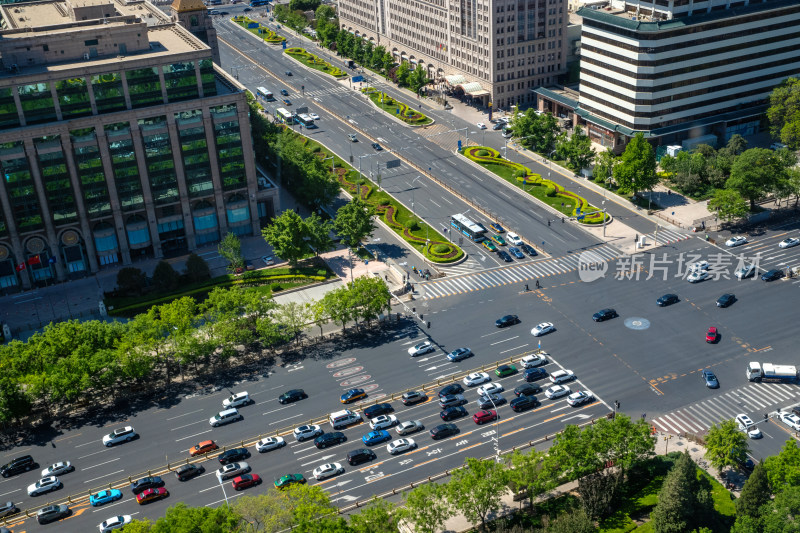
(537, 284)
(548, 222)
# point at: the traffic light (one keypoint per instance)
(429, 325)
(616, 404)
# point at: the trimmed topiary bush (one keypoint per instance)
(550, 191)
(440, 248)
(411, 225)
(482, 153)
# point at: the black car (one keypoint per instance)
(535, 374)
(377, 147)
(222, 13)
(508, 320)
(604, 314)
(329, 439)
(361, 455)
(189, 471)
(8, 509)
(378, 410)
(51, 513)
(20, 464)
(451, 413)
(491, 401)
(412, 397)
(725, 300)
(444, 430)
(528, 249)
(498, 126)
(247, 10)
(504, 256)
(523, 403)
(288, 72)
(145, 483)
(292, 396)
(284, 92)
(234, 455)
(453, 388)
(667, 299)
(526, 389)
(772, 275)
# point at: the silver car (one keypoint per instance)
(232, 470)
(411, 426)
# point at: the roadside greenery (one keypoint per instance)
(315, 62)
(256, 28)
(396, 108)
(784, 113)
(726, 444)
(292, 237)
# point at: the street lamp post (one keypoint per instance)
(412, 196)
(224, 494)
(496, 437)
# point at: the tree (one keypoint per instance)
(292, 316)
(604, 166)
(571, 521)
(578, 151)
(418, 79)
(726, 445)
(338, 305)
(387, 61)
(476, 488)
(755, 493)
(689, 171)
(230, 248)
(528, 473)
(165, 278)
(597, 491)
(636, 170)
(318, 232)
(131, 280)
(728, 204)
(402, 74)
(755, 173)
(368, 297)
(184, 519)
(304, 5)
(784, 113)
(783, 470)
(197, 268)
(537, 132)
(14, 403)
(286, 236)
(426, 507)
(379, 516)
(354, 221)
(781, 515)
(736, 144)
(263, 513)
(679, 501)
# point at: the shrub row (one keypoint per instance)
(257, 29)
(386, 102)
(307, 58)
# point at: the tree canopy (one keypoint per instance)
(636, 170)
(726, 445)
(784, 113)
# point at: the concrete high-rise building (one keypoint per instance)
(493, 50)
(119, 139)
(193, 15)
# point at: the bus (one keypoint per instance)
(284, 115)
(265, 93)
(474, 231)
(258, 3)
(306, 120)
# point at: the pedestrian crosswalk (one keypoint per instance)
(521, 272)
(667, 236)
(469, 266)
(753, 399)
(341, 89)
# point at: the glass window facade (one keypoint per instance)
(229, 147)
(21, 193)
(238, 214)
(55, 179)
(73, 98)
(160, 167)
(106, 243)
(144, 87)
(37, 103)
(181, 82)
(207, 77)
(205, 222)
(93, 180)
(126, 174)
(108, 93)
(196, 163)
(9, 117)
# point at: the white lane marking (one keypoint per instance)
(184, 414)
(283, 420)
(101, 464)
(106, 475)
(195, 435)
(94, 453)
(504, 340)
(187, 425)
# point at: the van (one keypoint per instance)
(20, 464)
(342, 419)
(225, 417)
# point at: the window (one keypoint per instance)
(90, 42)
(238, 214)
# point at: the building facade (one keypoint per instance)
(491, 50)
(119, 139)
(193, 15)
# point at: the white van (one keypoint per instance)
(342, 419)
(224, 417)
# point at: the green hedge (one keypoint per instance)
(310, 60)
(263, 32)
(392, 106)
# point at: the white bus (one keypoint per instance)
(265, 93)
(284, 115)
(473, 230)
(306, 120)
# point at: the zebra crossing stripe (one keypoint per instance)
(712, 406)
(772, 395)
(515, 275)
(664, 424)
(700, 415)
(750, 400)
(691, 422)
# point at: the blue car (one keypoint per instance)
(105, 496)
(376, 437)
(516, 253)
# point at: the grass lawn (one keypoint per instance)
(391, 106)
(262, 32)
(310, 60)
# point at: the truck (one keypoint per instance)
(771, 372)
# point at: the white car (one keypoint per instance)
(270, 443)
(56, 469)
(44, 485)
(579, 398)
(735, 241)
(541, 329)
(421, 349)
(125, 434)
(307, 432)
(400, 446)
(746, 272)
(513, 238)
(411, 426)
(237, 400)
(793, 421)
(754, 433)
(383, 422)
(481, 126)
(789, 243)
(329, 470)
(698, 266)
(115, 522)
(744, 422)
(557, 391)
(232, 470)
(490, 388)
(534, 360)
(698, 276)
(476, 378)
(314, 116)
(560, 376)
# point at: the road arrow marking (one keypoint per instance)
(580, 416)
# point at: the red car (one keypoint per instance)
(481, 417)
(712, 334)
(247, 480)
(151, 495)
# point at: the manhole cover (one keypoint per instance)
(343, 373)
(637, 323)
(341, 362)
(354, 381)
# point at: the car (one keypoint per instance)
(712, 335)
(104, 496)
(232, 470)
(498, 240)
(400, 446)
(505, 370)
(481, 126)
(352, 137)
(284, 92)
(604, 314)
(408, 427)
(421, 349)
(306, 432)
(508, 320)
(490, 388)
(378, 409)
(353, 395)
(150, 482)
(754, 433)
(314, 116)
(561, 376)
(791, 420)
(443, 431)
(744, 422)
(329, 439)
(286, 101)
(526, 389)
(542, 329)
(476, 378)
(667, 299)
(151, 495)
(51, 513)
(452, 400)
(361, 455)
(736, 241)
(248, 9)
(789, 243)
(557, 391)
(289, 479)
(288, 72)
(203, 447)
(483, 416)
(17, 465)
(489, 245)
(189, 471)
(487, 401)
(508, 133)
(746, 272)
(412, 397)
(725, 300)
(377, 147)
(514, 239)
(523, 403)
(534, 374)
(291, 396)
(376, 437)
(698, 266)
(459, 354)
(270, 443)
(245, 481)
(772, 275)
(696, 277)
(233, 455)
(383, 422)
(125, 434)
(327, 470)
(516, 253)
(580, 397)
(57, 469)
(44, 485)
(497, 228)
(528, 249)
(225, 417)
(451, 413)
(498, 126)
(710, 379)
(453, 388)
(115, 522)
(504, 256)
(8, 509)
(534, 360)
